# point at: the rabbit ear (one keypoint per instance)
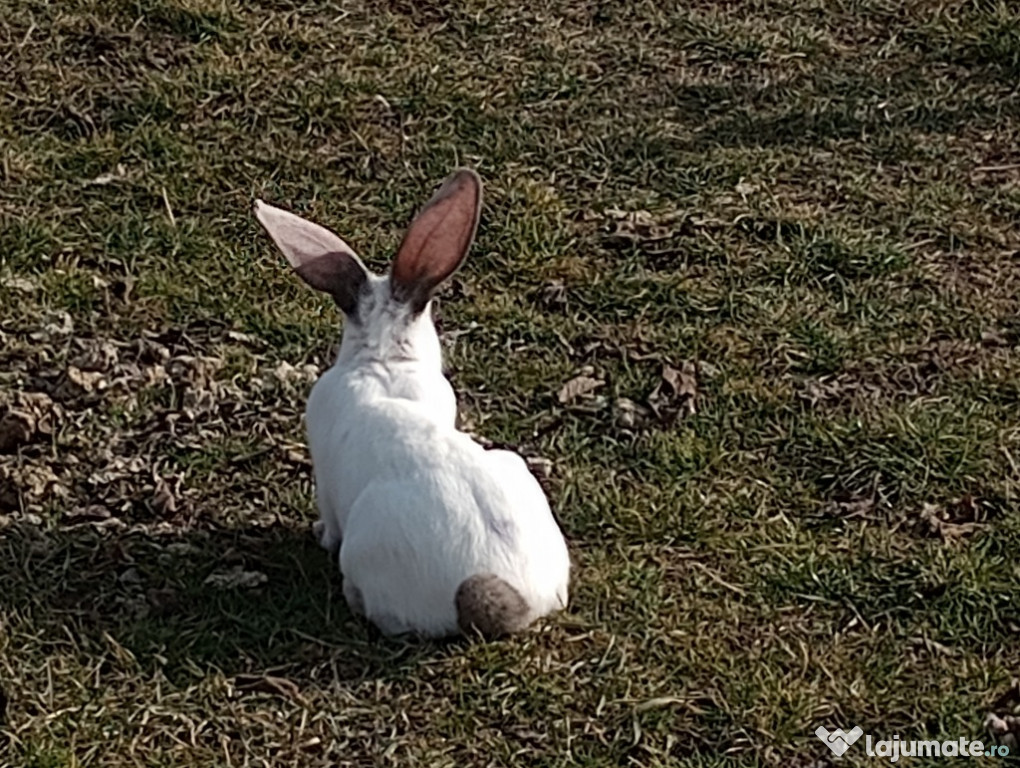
(437, 240)
(318, 255)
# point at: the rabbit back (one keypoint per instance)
(419, 507)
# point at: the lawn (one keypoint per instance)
(745, 291)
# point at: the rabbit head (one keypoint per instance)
(388, 318)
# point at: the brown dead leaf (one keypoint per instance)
(16, 429)
(31, 485)
(121, 289)
(1005, 730)
(199, 372)
(994, 338)
(22, 284)
(151, 352)
(88, 514)
(163, 499)
(30, 415)
(295, 453)
(1010, 699)
(10, 499)
(56, 324)
(76, 383)
(540, 467)
(154, 376)
(632, 415)
(285, 373)
(247, 339)
(953, 522)
(554, 294)
(639, 227)
(850, 509)
(96, 356)
(106, 178)
(683, 382)
(47, 414)
(676, 392)
(583, 384)
(236, 578)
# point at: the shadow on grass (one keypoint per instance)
(251, 601)
(834, 105)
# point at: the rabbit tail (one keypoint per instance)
(489, 605)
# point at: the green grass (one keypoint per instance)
(817, 204)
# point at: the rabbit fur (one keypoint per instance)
(436, 535)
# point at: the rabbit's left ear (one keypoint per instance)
(438, 239)
(318, 255)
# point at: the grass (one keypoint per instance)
(814, 205)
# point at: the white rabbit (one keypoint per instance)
(437, 535)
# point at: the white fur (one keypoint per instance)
(419, 506)
(416, 505)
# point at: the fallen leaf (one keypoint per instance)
(579, 386)
(16, 429)
(151, 352)
(555, 293)
(163, 499)
(295, 453)
(850, 509)
(286, 373)
(993, 338)
(236, 578)
(541, 467)
(1004, 730)
(58, 323)
(744, 188)
(22, 284)
(641, 227)
(37, 483)
(96, 356)
(198, 372)
(1010, 699)
(632, 415)
(75, 383)
(88, 514)
(676, 393)
(951, 523)
(121, 289)
(106, 178)
(246, 338)
(682, 382)
(10, 499)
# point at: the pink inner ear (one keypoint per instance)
(299, 239)
(439, 237)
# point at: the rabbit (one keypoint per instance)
(437, 536)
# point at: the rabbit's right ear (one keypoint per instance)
(437, 240)
(318, 255)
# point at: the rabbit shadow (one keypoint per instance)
(257, 601)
